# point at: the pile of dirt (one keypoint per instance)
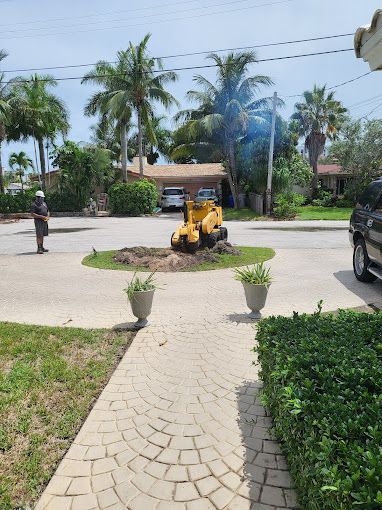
(223, 247)
(170, 260)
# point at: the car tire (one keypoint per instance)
(361, 262)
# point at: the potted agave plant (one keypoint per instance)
(140, 293)
(256, 281)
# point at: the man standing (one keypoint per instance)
(40, 213)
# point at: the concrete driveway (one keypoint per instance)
(312, 264)
(79, 235)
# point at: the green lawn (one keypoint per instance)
(306, 212)
(310, 212)
(250, 255)
(240, 215)
(49, 380)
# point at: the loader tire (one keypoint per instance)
(223, 234)
(212, 239)
(175, 246)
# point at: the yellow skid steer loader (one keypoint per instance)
(202, 227)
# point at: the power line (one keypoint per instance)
(75, 25)
(105, 13)
(372, 111)
(196, 53)
(206, 66)
(183, 18)
(334, 86)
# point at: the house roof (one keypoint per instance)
(331, 170)
(180, 171)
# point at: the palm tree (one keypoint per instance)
(131, 85)
(4, 113)
(226, 111)
(22, 163)
(319, 118)
(145, 87)
(112, 103)
(41, 114)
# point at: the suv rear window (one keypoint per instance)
(206, 193)
(370, 196)
(167, 192)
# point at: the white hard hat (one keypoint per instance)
(40, 194)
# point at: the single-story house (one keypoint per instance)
(333, 177)
(191, 177)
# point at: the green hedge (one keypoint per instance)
(133, 199)
(16, 203)
(21, 203)
(323, 386)
(63, 202)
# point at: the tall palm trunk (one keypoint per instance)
(315, 142)
(42, 162)
(124, 151)
(1, 170)
(140, 142)
(232, 173)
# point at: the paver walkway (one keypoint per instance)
(178, 427)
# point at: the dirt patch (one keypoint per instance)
(169, 260)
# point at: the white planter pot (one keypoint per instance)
(141, 304)
(256, 296)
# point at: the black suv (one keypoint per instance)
(366, 234)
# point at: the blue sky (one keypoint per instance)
(43, 33)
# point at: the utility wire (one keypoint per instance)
(334, 86)
(207, 66)
(195, 53)
(183, 18)
(182, 11)
(105, 13)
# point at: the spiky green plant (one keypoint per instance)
(258, 274)
(138, 284)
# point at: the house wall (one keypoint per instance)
(192, 185)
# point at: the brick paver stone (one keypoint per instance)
(179, 426)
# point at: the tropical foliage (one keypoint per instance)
(131, 85)
(319, 117)
(5, 109)
(227, 111)
(82, 168)
(359, 152)
(19, 162)
(38, 114)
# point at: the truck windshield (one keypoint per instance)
(206, 193)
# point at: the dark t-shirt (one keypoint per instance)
(41, 209)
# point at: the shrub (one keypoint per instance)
(323, 387)
(133, 199)
(344, 203)
(324, 199)
(19, 203)
(286, 205)
(63, 202)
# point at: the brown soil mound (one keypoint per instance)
(222, 247)
(169, 260)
